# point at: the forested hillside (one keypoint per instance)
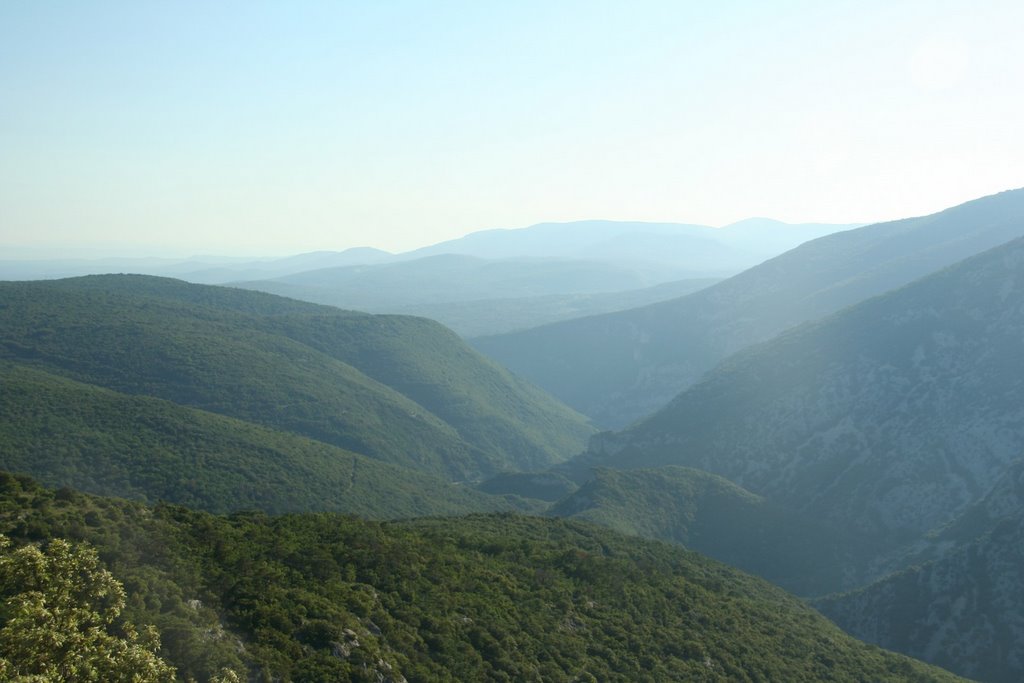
(66, 433)
(401, 390)
(487, 598)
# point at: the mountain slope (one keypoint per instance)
(66, 433)
(964, 609)
(485, 598)
(891, 416)
(270, 360)
(490, 408)
(619, 367)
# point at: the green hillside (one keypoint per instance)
(66, 433)
(487, 406)
(487, 598)
(284, 364)
(717, 518)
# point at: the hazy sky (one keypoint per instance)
(282, 127)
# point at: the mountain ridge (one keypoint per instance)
(619, 367)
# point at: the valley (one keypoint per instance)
(858, 446)
(478, 342)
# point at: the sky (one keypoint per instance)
(273, 128)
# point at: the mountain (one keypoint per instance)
(496, 316)
(66, 433)
(696, 247)
(323, 597)
(890, 417)
(548, 240)
(715, 517)
(510, 306)
(271, 268)
(451, 278)
(399, 389)
(619, 367)
(499, 280)
(963, 608)
(701, 249)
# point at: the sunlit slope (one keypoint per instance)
(277, 362)
(66, 433)
(622, 366)
(486, 598)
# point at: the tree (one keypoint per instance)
(59, 620)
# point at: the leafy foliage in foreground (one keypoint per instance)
(60, 620)
(319, 597)
(70, 434)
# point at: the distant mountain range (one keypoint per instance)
(492, 281)
(619, 367)
(843, 419)
(474, 295)
(695, 247)
(497, 281)
(699, 249)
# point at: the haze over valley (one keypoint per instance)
(565, 342)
